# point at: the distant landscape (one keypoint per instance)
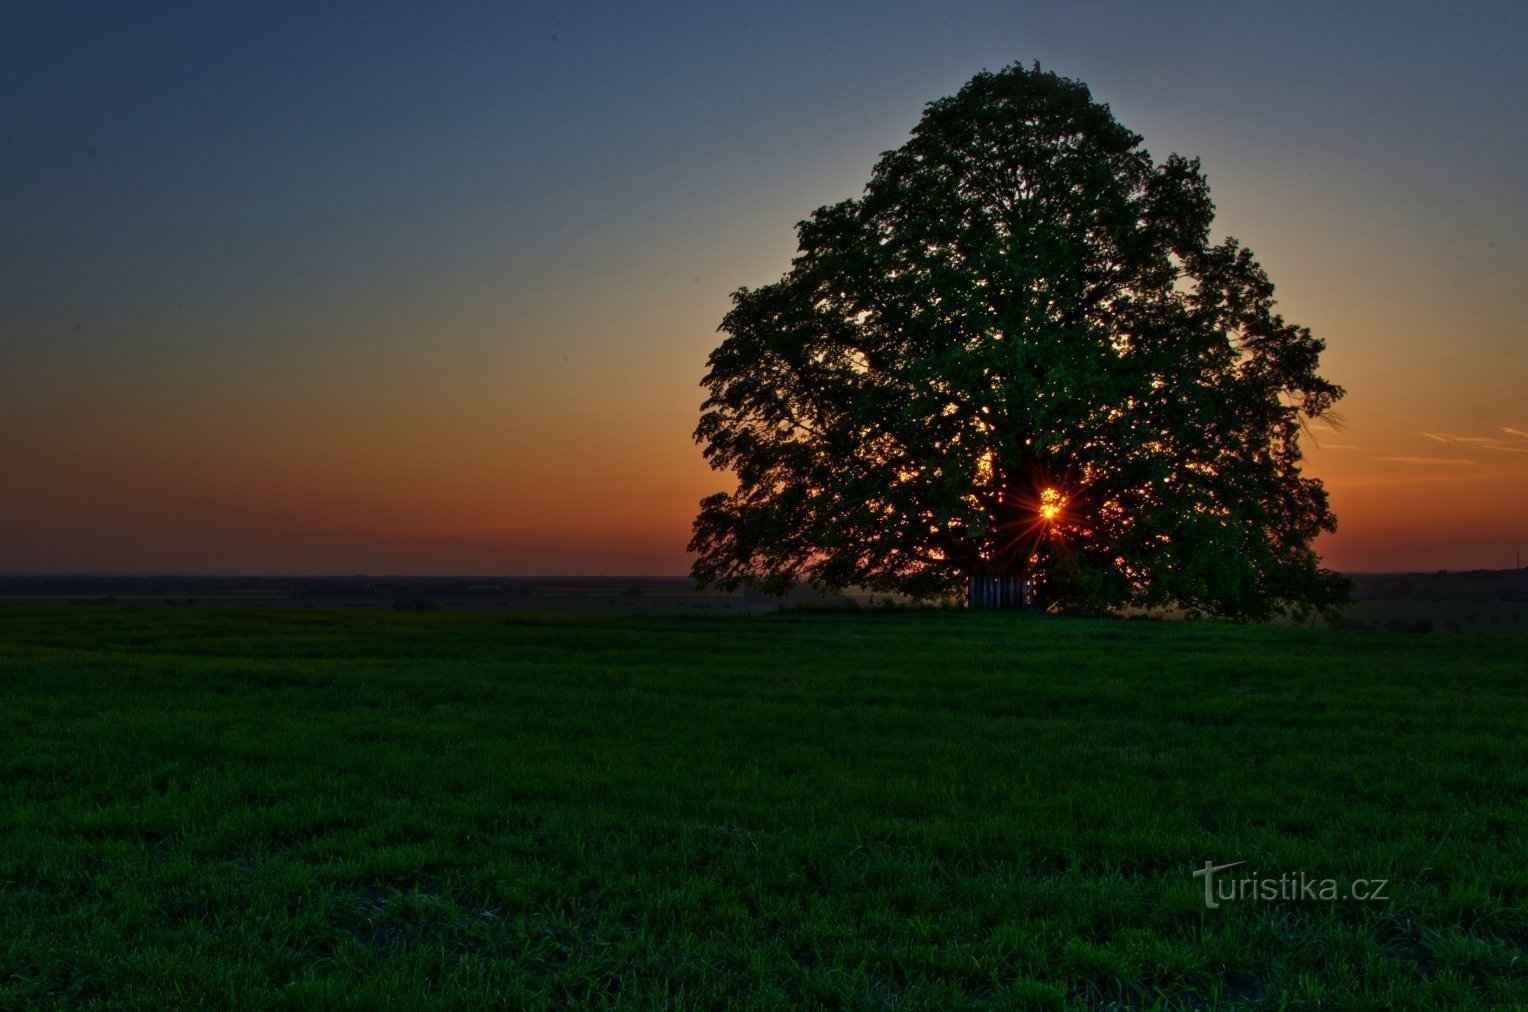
(406, 593)
(1482, 601)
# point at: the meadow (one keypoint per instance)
(252, 808)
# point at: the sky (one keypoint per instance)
(429, 288)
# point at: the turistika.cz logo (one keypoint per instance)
(1288, 887)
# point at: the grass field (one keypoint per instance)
(911, 810)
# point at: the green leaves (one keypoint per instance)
(1021, 300)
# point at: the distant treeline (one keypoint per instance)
(1470, 585)
(329, 588)
(1473, 585)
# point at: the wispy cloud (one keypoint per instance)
(1430, 460)
(1517, 445)
(1447, 437)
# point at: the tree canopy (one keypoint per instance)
(1019, 353)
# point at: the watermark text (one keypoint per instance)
(1220, 887)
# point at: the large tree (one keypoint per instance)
(1019, 353)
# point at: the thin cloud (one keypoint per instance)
(1447, 437)
(1478, 442)
(1429, 460)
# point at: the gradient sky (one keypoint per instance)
(430, 288)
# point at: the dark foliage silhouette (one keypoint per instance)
(1018, 353)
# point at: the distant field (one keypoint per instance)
(561, 595)
(1484, 618)
(911, 810)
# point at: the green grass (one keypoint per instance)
(319, 809)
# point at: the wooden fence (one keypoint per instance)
(1000, 592)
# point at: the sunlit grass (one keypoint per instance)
(910, 810)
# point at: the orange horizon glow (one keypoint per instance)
(546, 487)
(456, 468)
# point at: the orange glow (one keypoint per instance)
(1051, 503)
(462, 459)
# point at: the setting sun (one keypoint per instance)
(1051, 502)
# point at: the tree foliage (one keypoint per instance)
(1019, 353)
